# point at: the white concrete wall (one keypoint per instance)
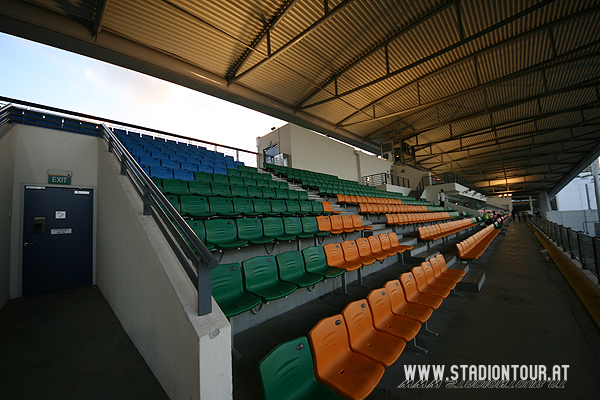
(154, 299)
(36, 151)
(574, 196)
(314, 152)
(412, 174)
(8, 144)
(501, 202)
(579, 220)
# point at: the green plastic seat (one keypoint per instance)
(284, 185)
(203, 177)
(251, 229)
(302, 195)
(261, 279)
(263, 183)
(293, 226)
(273, 227)
(273, 184)
(222, 206)
(314, 259)
(238, 191)
(198, 228)
(293, 194)
(236, 180)
(220, 189)
(223, 234)
(232, 172)
(195, 206)
(310, 227)
(244, 206)
(174, 186)
(254, 192)
(246, 174)
(287, 373)
(249, 181)
(268, 193)
(292, 207)
(200, 188)
(317, 208)
(305, 207)
(228, 290)
(281, 194)
(291, 269)
(278, 207)
(262, 206)
(218, 178)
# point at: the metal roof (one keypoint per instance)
(504, 93)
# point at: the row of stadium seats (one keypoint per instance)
(475, 245)
(417, 218)
(195, 206)
(349, 351)
(371, 208)
(177, 186)
(438, 231)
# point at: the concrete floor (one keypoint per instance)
(526, 314)
(69, 345)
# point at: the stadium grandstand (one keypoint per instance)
(137, 263)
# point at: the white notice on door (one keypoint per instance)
(60, 214)
(61, 231)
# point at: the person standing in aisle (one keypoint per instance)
(442, 197)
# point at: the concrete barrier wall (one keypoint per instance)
(7, 172)
(153, 298)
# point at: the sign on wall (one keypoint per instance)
(57, 176)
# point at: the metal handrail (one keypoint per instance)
(563, 236)
(5, 114)
(195, 258)
(383, 178)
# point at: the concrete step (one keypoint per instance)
(418, 249)
(472, 281)
(426, 255)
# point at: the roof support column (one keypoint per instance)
(544, 203)
(595, 166)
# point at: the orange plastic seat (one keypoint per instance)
(412, 295)
(366, 340)
(424, 287)
(337, 226)
(442, 264)
(349, 374)
(364, 248)
(347, 223)
(328, 208)
(351, 254)
(435, 281)
(323, 223)
(435, 264)
(396, 245)
(386, 321)
(358, 223)
(335, 258)
(401, 307)
(386, 245)
(376, 249)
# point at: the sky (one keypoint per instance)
(41, 74)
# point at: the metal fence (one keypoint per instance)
(582, 247)
(385, 178)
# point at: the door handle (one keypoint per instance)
(28, 244)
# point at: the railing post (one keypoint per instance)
(596, 263)
(204, 291)
(570, 244)
(583, 266)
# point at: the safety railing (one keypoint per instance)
(385, 179)
(582, 247)
(195, 258)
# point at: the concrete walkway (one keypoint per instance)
(70, 345)
(526, 314)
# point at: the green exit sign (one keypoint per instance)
(59, 177)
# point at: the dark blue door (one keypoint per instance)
(57, 239)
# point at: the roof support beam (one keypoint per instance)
(460, 43)
(292, 42)
(101, 7)
(265, 33)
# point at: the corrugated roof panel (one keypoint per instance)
(478, 16)
(559, 121)
(366, 71)
(572, 73)
(84, 10)
(302, 15)
(403, 99)
(158, 25)
(577, 32)
(515, 90)
(471, 125)
(515, 113)
(451, 81)
(564, 101)
(461, 107)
